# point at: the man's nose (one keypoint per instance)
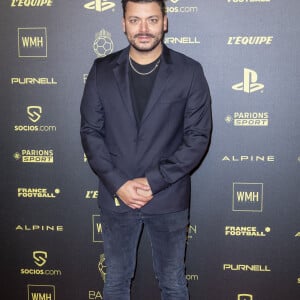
(144, 26)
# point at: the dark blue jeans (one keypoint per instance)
(167, 233)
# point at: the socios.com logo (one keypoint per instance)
(40, 258)
(100, 5)
(34, 113)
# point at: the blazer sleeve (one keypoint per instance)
(196, 137)
(92, 136)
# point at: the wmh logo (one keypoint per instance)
(247, 197)
(41, 292)
(32, 42)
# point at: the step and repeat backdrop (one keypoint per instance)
(244, 235)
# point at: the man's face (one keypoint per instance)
(144, 25)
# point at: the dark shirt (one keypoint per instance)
(141, 86)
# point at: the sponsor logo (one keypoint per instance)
(95, 295)
(181, 40)
(32, 42)
(35, 156)
(91, 194)
(37, 193)
(180, 8)
(102, 266)
(34, 114)
(31, 3)
(249, 84)
(248, 1)
(248, 158)
(247, 197)
(245, 231)
(97, 229)
(192, 231)
(103, 44)
(39, 228)
(33, 81)
(248, 119)
(40, 292)
(100, 5)
(245, 297)
(40, 259)
(246, 268)
(84, 77)
(192, 277)
(250, 40)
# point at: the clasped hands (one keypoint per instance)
(135, 193)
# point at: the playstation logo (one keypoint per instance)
(250, 84)
(100, 5)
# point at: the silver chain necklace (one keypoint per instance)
(140, 73)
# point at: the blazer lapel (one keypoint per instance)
(122, 79)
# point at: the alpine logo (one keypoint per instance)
(100, 5)
(250, 84)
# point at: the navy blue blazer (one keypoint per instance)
(170, 141)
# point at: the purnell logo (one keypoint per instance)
(250, 84)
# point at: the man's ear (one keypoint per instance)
(165, 23)
(123, 25)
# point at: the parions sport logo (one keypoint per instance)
(35, 156)
(248, 119)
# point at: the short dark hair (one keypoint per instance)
(161, 3)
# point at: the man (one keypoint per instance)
(146, 123)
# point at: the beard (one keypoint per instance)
(154, 41)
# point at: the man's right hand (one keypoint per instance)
(128, 194)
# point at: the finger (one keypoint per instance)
(142, 186)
